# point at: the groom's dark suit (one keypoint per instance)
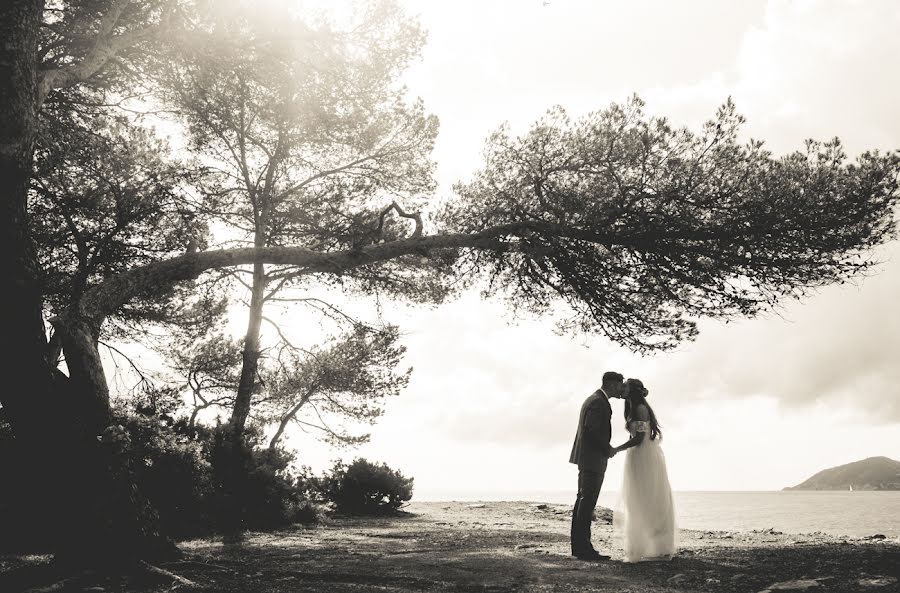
(590, 453)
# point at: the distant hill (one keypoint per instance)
(874, 473)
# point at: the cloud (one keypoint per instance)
(838, 347)
(810, 69)
(820, 66)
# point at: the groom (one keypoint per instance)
(590, 453)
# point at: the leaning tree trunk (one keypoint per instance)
(115, 521)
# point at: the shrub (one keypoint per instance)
(254, 486)
(171, 470)
(363, 488)
(310, 513)
(199, 481)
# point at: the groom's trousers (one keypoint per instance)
(589, 483)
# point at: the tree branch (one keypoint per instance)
(131, 363)
(281, 335)
(112, 293)
(291, 414)
(395, 206)
(105, 48)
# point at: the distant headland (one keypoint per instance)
(874, 473)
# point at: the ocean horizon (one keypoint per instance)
(857, 514)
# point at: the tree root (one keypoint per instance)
(200, 564)
(161, 572)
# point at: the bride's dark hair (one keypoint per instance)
(636, 394)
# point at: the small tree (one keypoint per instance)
(326, 389)
(346, 380)
(209, 366)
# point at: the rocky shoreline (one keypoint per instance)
(508, 547)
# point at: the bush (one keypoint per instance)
(254, 486)
(363, 488)
(170, 468)
(199, 482)
(310, 513)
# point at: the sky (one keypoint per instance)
(755, 405)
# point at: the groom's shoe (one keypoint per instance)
(591, 556)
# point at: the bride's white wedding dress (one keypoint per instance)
(645, 518)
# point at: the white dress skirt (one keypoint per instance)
(644, 521)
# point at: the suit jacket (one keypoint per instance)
(591, 448)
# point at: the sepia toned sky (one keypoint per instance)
(755, 405)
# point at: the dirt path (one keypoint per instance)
(516, 547)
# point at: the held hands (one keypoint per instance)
(613, 451)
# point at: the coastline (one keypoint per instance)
(505, 547)
(544, 515)
(837, 513)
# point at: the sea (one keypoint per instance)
(857, 513)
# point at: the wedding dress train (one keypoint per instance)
(645, 518)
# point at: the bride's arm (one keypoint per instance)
(640, 414)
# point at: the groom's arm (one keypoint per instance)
(597, 428)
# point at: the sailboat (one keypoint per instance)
(851, 487)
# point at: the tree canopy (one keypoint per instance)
(641, 227)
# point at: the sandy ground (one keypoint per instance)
(495, 547)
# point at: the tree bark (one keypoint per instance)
(29, 385)
(25, 345)
(250, 364)
(86, 374)
(251, 353)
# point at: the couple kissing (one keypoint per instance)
(645, 516)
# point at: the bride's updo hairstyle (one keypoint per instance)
(636, 395)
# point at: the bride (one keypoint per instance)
(646, 517)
